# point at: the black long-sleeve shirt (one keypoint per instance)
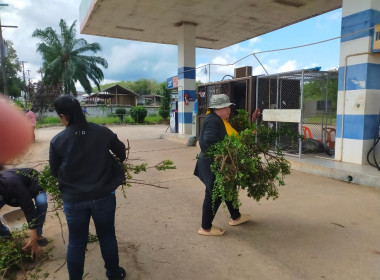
(18, 187)
(83, 164)
(212, 131)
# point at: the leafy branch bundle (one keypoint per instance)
(241, 162)
(12, 256)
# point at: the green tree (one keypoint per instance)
(164, 109)
(66, 59)
(42, 96)
(12, 65)
(138, 114)
(144, 86)
(120, 112)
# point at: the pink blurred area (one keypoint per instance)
(16, 133)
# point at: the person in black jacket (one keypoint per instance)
(213, 131)
(88, 175)
(18, 188)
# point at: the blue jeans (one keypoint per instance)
(78, 216)
(40, 202)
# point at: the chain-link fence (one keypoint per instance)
(312, 92)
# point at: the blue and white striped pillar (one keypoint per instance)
(186, 77)
(359, 82)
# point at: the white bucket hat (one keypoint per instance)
(220, 101)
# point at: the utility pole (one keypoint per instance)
(41, 71)
(23, 75)
(27, 70)
(23, 71)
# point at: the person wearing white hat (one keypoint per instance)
(214, 129)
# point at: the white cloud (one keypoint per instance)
(290, 65)
(312, 65)
(259, 70)
(274, 61)
(254, 41)
(335, 16)
(79, 87)
(255, 51)
(21, 4)
(137, 60)
(121, 57)
(222, 65)
(239, 49)
(327, 20)
(273, 67)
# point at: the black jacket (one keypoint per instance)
(83, 164)
(212, 131)
(18, 187)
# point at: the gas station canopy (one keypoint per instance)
(219, 23)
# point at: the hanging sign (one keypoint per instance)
(172, 82)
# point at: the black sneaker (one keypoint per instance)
(121, 276)
(42, 242)
(4, 232)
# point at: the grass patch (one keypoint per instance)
(104, 120)
(55, 121)
(153, 119)
(48, 121)
(331, 120)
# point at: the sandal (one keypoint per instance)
(215, 231)
(243, 218)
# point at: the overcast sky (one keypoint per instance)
(131, 60)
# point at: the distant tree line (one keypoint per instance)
(140, 87)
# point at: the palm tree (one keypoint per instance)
(66, 59)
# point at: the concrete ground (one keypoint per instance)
(319, 228)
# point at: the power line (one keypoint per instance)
(281, 49)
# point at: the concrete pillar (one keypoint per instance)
(186, 77)
(359, 82)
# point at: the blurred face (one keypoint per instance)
(224, 113)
